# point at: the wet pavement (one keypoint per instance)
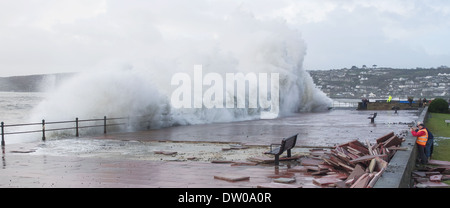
(72, 172)
(314, 129)
(129, 159)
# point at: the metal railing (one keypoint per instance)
(75, 127)
(341, 104)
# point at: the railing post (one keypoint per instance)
(3, 134)
(104, 125)
(43, 130)
(76, 126)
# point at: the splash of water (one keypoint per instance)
(142, 83)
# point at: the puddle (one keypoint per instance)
(149, 150)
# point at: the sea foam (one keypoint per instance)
(139, 84)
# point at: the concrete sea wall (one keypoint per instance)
(398, 172)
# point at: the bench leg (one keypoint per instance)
(277, 159)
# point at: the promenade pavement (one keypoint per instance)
(128, 159)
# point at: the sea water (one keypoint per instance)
(15, 108)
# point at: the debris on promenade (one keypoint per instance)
(432, 175)
(354, 164)
(351, 165)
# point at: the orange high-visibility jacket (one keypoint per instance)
(422, 136)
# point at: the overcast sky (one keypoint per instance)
(50, 36)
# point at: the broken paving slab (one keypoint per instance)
(165, 152)
(281, 174)
(419, 173)
(284, 180)
(362, 181)
(317, 152)
(436, 178)
(365, 158)
(325, 181)
(279, 185)
(311, 162)
(261, 159)
(297, 169)
(232, 178)
(357, 172)
(431, 184)
(439, 162)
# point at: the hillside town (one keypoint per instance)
(354, 83)
(373, 82)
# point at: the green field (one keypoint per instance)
(436, 124)
(441, 132)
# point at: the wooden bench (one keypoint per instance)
(286, 145)
(372, 117)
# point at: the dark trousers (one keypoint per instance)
(421, 153)
(429, 148)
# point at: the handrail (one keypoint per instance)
(344, 104)
(76, 127)
(29, 124)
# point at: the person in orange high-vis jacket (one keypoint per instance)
(422, 138)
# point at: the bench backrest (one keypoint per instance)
(288, 143)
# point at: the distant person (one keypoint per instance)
(430, 145)
(410, 100)
(389, 99)
(364, 102)
(424, 102)
(422, 138)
